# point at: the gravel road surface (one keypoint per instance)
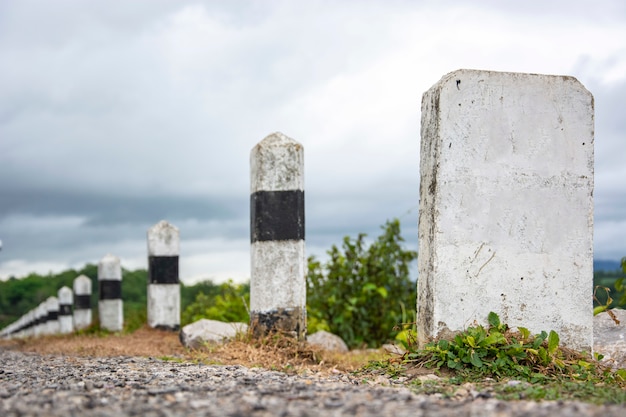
(53, 385)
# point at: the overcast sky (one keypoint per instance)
(115, 115)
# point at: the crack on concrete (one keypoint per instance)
(484, 265)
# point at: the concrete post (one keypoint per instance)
(41, 317)
(163, 281)
(82, 302)
(110, 305)
(52, 320)
(506, 205)
(278, 268)
(30, 323)
(66, 299)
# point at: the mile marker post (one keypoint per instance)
(66, 322)
(278, 281)
(52, 320)
(110, 306)
(163, 280)
(82, 302)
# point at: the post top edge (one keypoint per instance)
(277, 139)
(163, 224)
(456, 73)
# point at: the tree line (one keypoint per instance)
(363, 292)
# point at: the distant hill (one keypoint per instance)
(606, 265)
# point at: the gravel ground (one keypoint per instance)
(53, 385)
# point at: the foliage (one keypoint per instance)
(498, 352)
(496, 361)
(610, 282)
(226, 302)
(361, 293)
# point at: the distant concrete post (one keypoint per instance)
(52, 320)
(82, 302)
(30, 324)
(41, 317)
(163, 281)
(110, 305)
(278, 281)
(66, 299)
(506, 205)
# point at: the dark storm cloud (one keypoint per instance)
(104, 209)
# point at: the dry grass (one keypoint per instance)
(276, 353)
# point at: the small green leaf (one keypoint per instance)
(382, 291)
(599, 309)
(475, 359)
(471, 341)
(553, 342)
(493, 319)
(524, 332)
(453, 364)
(493, 338)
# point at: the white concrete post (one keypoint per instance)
(41, 317)
(30, 323)
(163, 280)
(52, 320)
(110, 304)
(66, 299)
(278, 265)
(82, 302)
(506, 205)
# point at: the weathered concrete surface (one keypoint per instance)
(164, 306)
(506, 208)
(197, 334)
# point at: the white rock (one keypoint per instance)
(327, 341)
(609, 337)
(203, 331)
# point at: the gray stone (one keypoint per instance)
(327, 341)
(609, 337)
(197, 334)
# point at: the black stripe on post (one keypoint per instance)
(52, 315)
(65, 309)
(82, 301)
(163, 269)
(277, 215)
(110, 289)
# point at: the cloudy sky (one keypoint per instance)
(117, 114)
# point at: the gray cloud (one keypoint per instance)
(114, 116)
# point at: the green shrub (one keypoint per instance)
(229, 304)
(362, 293)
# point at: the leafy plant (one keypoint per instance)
(497, 351)
(361, 292)
(229, 304)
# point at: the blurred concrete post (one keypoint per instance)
(506, 205)
(110, 305)
(163, 281)
(82, 302)
(52, 319)
(278, 266)
(66, 299)
(41, 316)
